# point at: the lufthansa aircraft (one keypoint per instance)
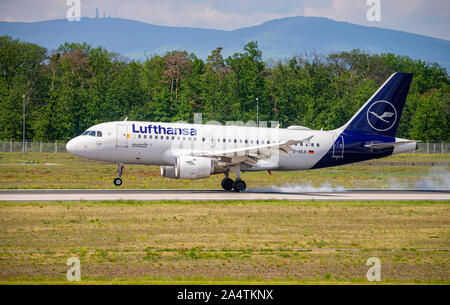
(196, 151)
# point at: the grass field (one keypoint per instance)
(63, 170)
(225, 242)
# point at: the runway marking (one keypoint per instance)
(213, 195)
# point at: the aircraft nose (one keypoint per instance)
(72, 146)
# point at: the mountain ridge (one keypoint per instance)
(277, 38)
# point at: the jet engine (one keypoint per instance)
(188, 167)
(168, 172)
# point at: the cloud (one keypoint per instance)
(355, 10)
(428, 17)
(339, 10)
(184, 13)
(9, 19)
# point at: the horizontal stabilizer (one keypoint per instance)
(388, 144)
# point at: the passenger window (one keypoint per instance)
(156, 137)
(318, 145)
(145, 136)
(150, 136)
(312, 144)
(139, 136)
(246, 141)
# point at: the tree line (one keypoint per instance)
(76, 86)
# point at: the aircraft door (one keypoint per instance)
(122, 136)
(338, 147)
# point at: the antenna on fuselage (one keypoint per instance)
(126, 119)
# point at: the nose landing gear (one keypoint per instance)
(118, 180)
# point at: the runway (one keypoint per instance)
(210, 195)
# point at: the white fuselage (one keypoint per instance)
(160, 143)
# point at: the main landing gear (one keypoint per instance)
(227, 184)
(118, 180)
(237, 185)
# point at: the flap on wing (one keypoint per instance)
(251, 154)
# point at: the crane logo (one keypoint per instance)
(381, 116)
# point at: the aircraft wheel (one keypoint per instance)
(117, 182)
(227, 184)
(239, 185)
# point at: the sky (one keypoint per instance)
(426, 17)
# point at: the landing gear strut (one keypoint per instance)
(118, 180)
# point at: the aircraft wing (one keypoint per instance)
(251, 155)
(387, 144)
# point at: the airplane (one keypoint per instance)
(197, 151)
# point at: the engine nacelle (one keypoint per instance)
(168, 172)
(188, 167)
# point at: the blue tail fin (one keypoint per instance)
(381, 114)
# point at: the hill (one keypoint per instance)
(277, 38)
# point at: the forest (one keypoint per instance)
(76, 86)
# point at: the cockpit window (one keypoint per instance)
(93, 133)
